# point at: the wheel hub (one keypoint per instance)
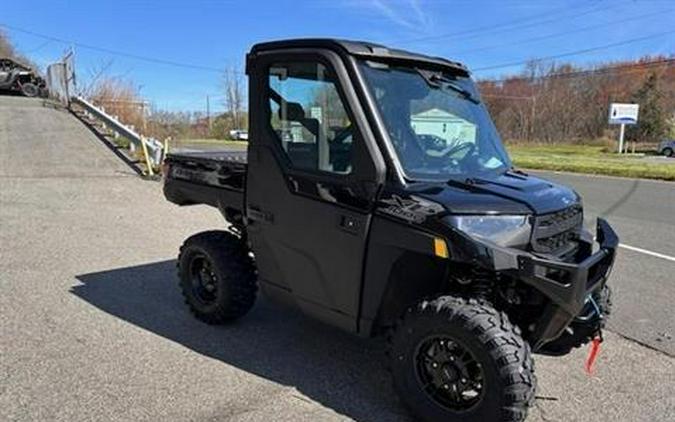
(449, 373)
(203, 280)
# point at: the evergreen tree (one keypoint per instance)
(652, 121)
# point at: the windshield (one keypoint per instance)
(437, 125)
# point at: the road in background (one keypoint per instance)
(92, 324)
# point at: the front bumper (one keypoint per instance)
(566, 284)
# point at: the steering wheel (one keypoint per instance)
(469, 146)
(341, 136)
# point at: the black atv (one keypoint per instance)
(376, 195)
(17, 77)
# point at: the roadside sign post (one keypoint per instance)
(623, 114)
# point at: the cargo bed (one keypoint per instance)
(215, 178)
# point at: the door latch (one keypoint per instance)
(349, 224)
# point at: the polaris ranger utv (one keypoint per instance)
(376, 196)
(15, 76)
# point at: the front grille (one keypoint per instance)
(557, 231)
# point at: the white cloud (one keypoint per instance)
(409, 14)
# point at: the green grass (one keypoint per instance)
(208, 144)
(588, 159)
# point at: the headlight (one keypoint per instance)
(504, 230)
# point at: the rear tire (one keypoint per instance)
(668, 152)
(455, 359)
(29, 89)
(217, 276)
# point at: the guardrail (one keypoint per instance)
(153, 150)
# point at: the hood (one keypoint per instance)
(508, 193)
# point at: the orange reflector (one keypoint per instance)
(440, 248)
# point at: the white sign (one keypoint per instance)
(623, 114)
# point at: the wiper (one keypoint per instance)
(517, 171)
(468, 183)
(437, 80)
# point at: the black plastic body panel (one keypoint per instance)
(309, 229)
(401, 268)
(213, 178)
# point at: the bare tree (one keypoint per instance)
(8, 50)
(234, 95)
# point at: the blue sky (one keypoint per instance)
(217, 33)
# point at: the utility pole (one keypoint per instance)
(208, 113)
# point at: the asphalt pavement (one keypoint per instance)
(92, 326)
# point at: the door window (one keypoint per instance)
(309, 117)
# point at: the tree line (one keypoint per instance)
(553, 103)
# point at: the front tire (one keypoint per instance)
(217, 276)
(29, 89)
(668, 152)
(455, 359)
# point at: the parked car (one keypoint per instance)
(239, 135)
(667, 148)
(15, 76)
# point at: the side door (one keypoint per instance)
(312, 179)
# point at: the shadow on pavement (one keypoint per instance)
(340, 371)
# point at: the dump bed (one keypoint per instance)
(215, 178)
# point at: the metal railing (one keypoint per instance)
(62, 87)
(153, 150)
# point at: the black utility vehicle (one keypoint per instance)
(15, 76)
(376, 195)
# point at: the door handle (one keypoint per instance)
(254, 213)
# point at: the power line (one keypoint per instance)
(213, 69)
(560, 34)
(38, 48)
(506, 26)
(575, 53)
(114, 52)
(632, 67)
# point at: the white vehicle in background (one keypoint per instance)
(239, 135)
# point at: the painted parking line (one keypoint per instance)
(647, 252)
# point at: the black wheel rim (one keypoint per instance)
(448, 373)
(203, 280)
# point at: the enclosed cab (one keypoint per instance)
(377, 196)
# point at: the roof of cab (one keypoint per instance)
(360, 49)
